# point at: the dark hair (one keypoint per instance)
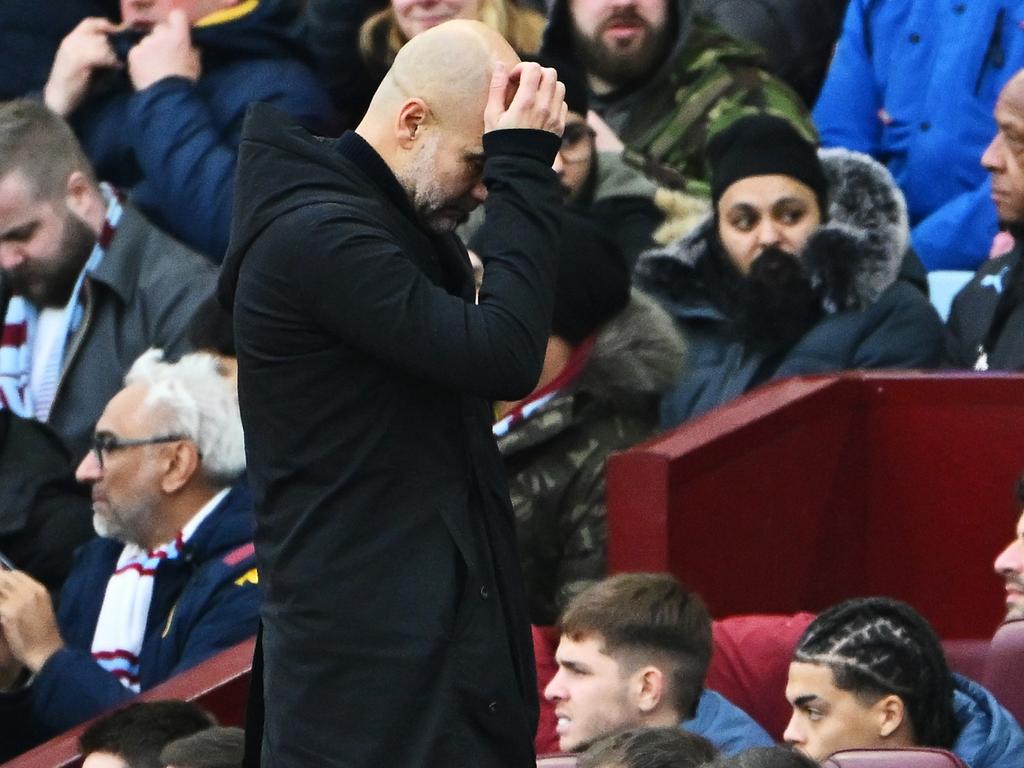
(876, 646)
(213, 748)
(138, 732)
(211, 329)
(639, 615)
(765, 757)
(669, 747)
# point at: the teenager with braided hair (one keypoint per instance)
(870, 672)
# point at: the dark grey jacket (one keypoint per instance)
(885, 320)
(142, 295)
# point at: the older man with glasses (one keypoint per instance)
(172, 578)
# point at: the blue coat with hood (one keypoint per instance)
(175, 142)
(204, 601)
(725, 725)
(989, 735)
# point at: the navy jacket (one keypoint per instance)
(176, 141)
(203, 602)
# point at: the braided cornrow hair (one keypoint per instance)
(877, 646)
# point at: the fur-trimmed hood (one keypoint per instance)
(851, 259)
(637, 355)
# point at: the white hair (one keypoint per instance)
(196, 397)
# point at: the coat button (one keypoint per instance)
(959, 8)
(493, 707)
(926, 126)
(915, 38)
(484, 592)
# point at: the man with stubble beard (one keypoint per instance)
(89, 284)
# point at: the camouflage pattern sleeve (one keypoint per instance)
(717, 80)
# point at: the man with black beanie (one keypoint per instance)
(610, 355)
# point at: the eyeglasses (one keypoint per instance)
(106, 442)
(576, 142)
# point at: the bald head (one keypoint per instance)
(448, 67)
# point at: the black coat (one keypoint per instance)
(986, 320)
(395, 629)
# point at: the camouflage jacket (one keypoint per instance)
(708, 81)
(555, 459)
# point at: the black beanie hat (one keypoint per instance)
(763, 145)
(593, 280)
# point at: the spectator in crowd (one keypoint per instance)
(797, 36)
(765, 757)
(609, 356)
(94, 284)
(598, 183)
(134, 736)
(668, 747)
(366, 391)
(211, 748)
(163, 115)
(666, 80)
(172, 580)
(913, 84)
(985, 330)
(1010, 564)
(44, 514)
(634, 652)
(355, 41)
(870, 673)
(29, 39)
(780, 282)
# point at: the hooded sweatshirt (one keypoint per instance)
(989, 735)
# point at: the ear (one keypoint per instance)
(182, 464)
(891, 712)
(79, 194)
(411, 117)
(649, 688)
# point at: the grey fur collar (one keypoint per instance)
(638, 352)
(852, 258)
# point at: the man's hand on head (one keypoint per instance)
(165, 52)
(85, 50)
(27, 620)
(530, 96)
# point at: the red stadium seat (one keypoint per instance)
(1004, 668)
(916, 757)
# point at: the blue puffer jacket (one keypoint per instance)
(204, 601)
(725, 725)
(176, 142)
(989, 735)
(913, 83)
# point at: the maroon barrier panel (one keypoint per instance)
(813, 490)
(220, 685)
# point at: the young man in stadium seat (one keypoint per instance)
(634, 652)
(135, 736)
(171, 580)
(870, 673)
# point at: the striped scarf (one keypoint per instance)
(121, 627)
(17, 336)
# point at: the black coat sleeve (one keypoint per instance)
(364, 287)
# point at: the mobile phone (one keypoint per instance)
(6, 564)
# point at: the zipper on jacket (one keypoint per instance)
(76, 344)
